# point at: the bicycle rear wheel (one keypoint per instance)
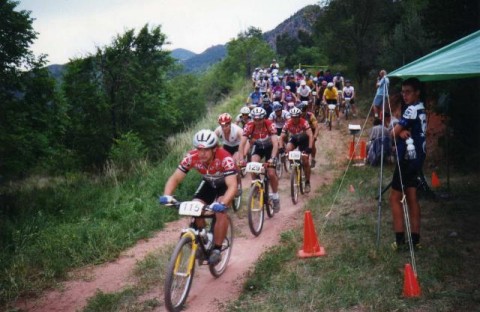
(180, 273)
(330, 120)
(294, 185)
(255, 210)
(226, 251)
(268, 203)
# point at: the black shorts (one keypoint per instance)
(262, 150)
(300, 141)
(409, 176)
(207, 193)
(279, 131)
(304, 98)
(331, 101)
(231, 149)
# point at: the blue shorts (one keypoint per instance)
(378, 100)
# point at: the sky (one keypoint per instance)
(70, 29)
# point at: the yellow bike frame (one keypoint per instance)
(191, 261)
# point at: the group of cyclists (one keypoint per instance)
(278, 117)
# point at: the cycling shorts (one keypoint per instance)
(231, 149)
(262, 150)
(300, 141)
(332, 101)
(208, 194)
(409, 176)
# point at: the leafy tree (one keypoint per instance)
(121, 88)
(31, 113)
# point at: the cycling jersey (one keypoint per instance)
(292, 128)
(288, 97)
(330, 93)
(214, 174)
(256, 97)
(279, 121)
(304, 91)
(348, 92)
(233, 139)
(267, 130)
(414, 119)
(277, 92)
(312, 121)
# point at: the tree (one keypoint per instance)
(121, 88)
(31, 113)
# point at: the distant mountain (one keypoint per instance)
(301, 20)
(202, 61)
(57, 71)
(182, 54)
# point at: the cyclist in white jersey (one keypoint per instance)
(279, 116)
(229, 134)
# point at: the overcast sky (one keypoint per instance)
(73, 28)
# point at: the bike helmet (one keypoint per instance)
(303, 106)
(347, 81)
(258, 113)
(224, 119)
(295, 112)
(245, 110)
(205, 139)
(330, 85)
(277, 106)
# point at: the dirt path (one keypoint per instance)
(207, 293)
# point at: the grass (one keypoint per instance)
(356, 275)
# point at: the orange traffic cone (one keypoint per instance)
(352, 189)
(311, 247)
(435, 180)
(363, 150)
(410, 285)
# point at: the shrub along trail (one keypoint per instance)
(207, 293)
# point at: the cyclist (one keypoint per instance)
(277, 90)
(289, 99)
(312, 121)
(264, 140)
(301, 136)
(330, 96)
(229, 135)
(218, 186)
(243, 118)
(255, 98)
(304, 93)
(349, 93)
(279, 116)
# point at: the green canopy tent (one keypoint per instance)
(460, 59)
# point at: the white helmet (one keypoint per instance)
(330, 84)
(245, 110)
(258, 113)
(295, 112)
(205, 139)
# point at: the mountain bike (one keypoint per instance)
(237, 200)
(332, 116)
(194, 244)
(297, 175)
(320, 111)
(258, 198)
(347, 108)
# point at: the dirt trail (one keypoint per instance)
(207, 293)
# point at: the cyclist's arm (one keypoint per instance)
(231, 182)
(274, 138)
(175, 179)
(241, 149)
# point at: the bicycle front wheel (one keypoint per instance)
(180, 273)
(255, 210)
(301, 179)
(294, 185)
(226, 251)
(321, 114)
(237, 200)
(330, 120)
(279, 170)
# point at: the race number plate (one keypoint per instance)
(294, 155)
(191, 208)
(255, 167)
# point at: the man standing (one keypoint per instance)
(410, 135)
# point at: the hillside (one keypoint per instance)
(182, 54)
(301, 20)
(202, 61)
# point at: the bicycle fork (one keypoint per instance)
(191, 257)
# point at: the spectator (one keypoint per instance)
(382, 86)
(412, 125)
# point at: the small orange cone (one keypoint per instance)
(410, 286)
(352, 189)
(435, 180)
(363, 150)
(311, 247)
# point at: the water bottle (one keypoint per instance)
(411, 153)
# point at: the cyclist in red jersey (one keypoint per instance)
(218, 186)
(264, 140)
(301, 136)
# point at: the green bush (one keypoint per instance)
(127, 150)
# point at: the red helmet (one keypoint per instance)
(224, 119)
